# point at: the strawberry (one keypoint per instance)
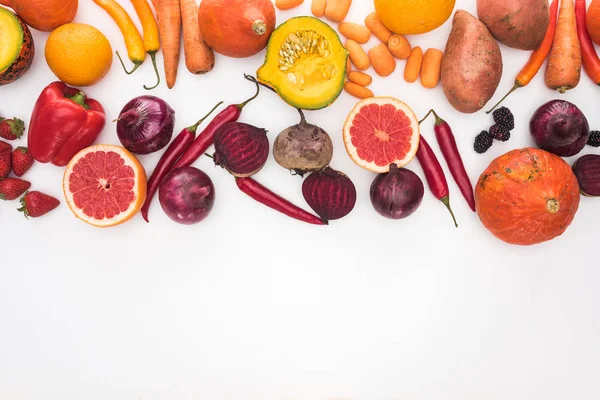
(35, 204)
(22, 160)
(5, 159)
(12, 128)
(12, 188)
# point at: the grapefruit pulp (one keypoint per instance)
(104, 185)
(380, 131)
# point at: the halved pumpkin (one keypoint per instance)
(305, 63)
(16, 47)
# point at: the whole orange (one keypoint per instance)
(78, 54)
(593, 21)
(413, 17)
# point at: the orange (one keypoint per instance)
(104, 185)
(380, 131)
(78, 54)
(412, 17)
(593, 21)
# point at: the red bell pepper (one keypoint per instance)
(64, 121)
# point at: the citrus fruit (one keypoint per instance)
(380, 131)
(78, 54)
(104, 185)
(412, 17)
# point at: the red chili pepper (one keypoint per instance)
(207, 137)
(435, 175)
(591, 62)
(447, 143)
(63, 122)
(169, 157)
(263, 195)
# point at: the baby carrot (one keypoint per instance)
(337, 10)
(318, 7)
(348, 66)
(379, 30)
(431, 67)
(356, 32)
(359, 58)
(287, 4)
(199, 58)
(413, 65)
(382, 60)
(399, 47)
(358, 91)
(360, 78)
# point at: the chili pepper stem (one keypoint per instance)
(194, 127)
(209, 156)
(153, 58)
(136, 65)
(446, 201)
(438, 120)
(516, 86)
(242, 105)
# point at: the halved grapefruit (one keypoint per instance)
(104, 185)
(380, 131)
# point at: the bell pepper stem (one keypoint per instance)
(136, 65)
(79, 98)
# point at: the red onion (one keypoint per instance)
(397, 194)
(145, 124)
(330, 193)
(187, 195)
(560, 128)
(241, 149)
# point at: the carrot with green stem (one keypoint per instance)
(169, 27)
(537, 59)
(150, 29)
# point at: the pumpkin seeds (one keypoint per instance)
(299, 45)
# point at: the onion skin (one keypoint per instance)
(398, 193)
(145, 125)
(187, 195)
(330, 193)
(560, 128)
(587, 171)
(241, 149)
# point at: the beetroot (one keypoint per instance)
(241, 149)
(187, 195)
(330, 193)
(398, 193)
(587, 171)
(560, 128)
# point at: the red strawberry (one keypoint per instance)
(12, 128)
(35, 204)
(5, 159)
(22, 160)
(12, 188)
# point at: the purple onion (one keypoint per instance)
(145, 124)
(330, 193)
(587, 171)
(241, 149)
(187, 195)
(398, 193)
(560, 128)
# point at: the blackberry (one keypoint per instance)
(498, 132)
(504, 118)
(483, 142)
(594, 139)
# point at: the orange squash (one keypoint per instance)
(527, 196)
(236, 28)
(44, 15)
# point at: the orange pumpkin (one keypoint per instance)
(236, 28)
(45, 15)
(527, 196)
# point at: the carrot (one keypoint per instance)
(564, 63)
(360, 78)
(591, 62)
(169, 22)
(537, 59)
(382, 60)
(287, 4)
(413, 65)
(399, 47)
(199, 58)
(133, 39)
(379, 30)
(359, 58)
(431, 67)
(337, 10)
(356, 32)
(358, 91)
(318, 7)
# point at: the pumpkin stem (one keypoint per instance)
(259, 27)
(552, 206)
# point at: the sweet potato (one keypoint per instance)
(521, 24)
(472, 65)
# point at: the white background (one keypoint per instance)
(252, 305)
